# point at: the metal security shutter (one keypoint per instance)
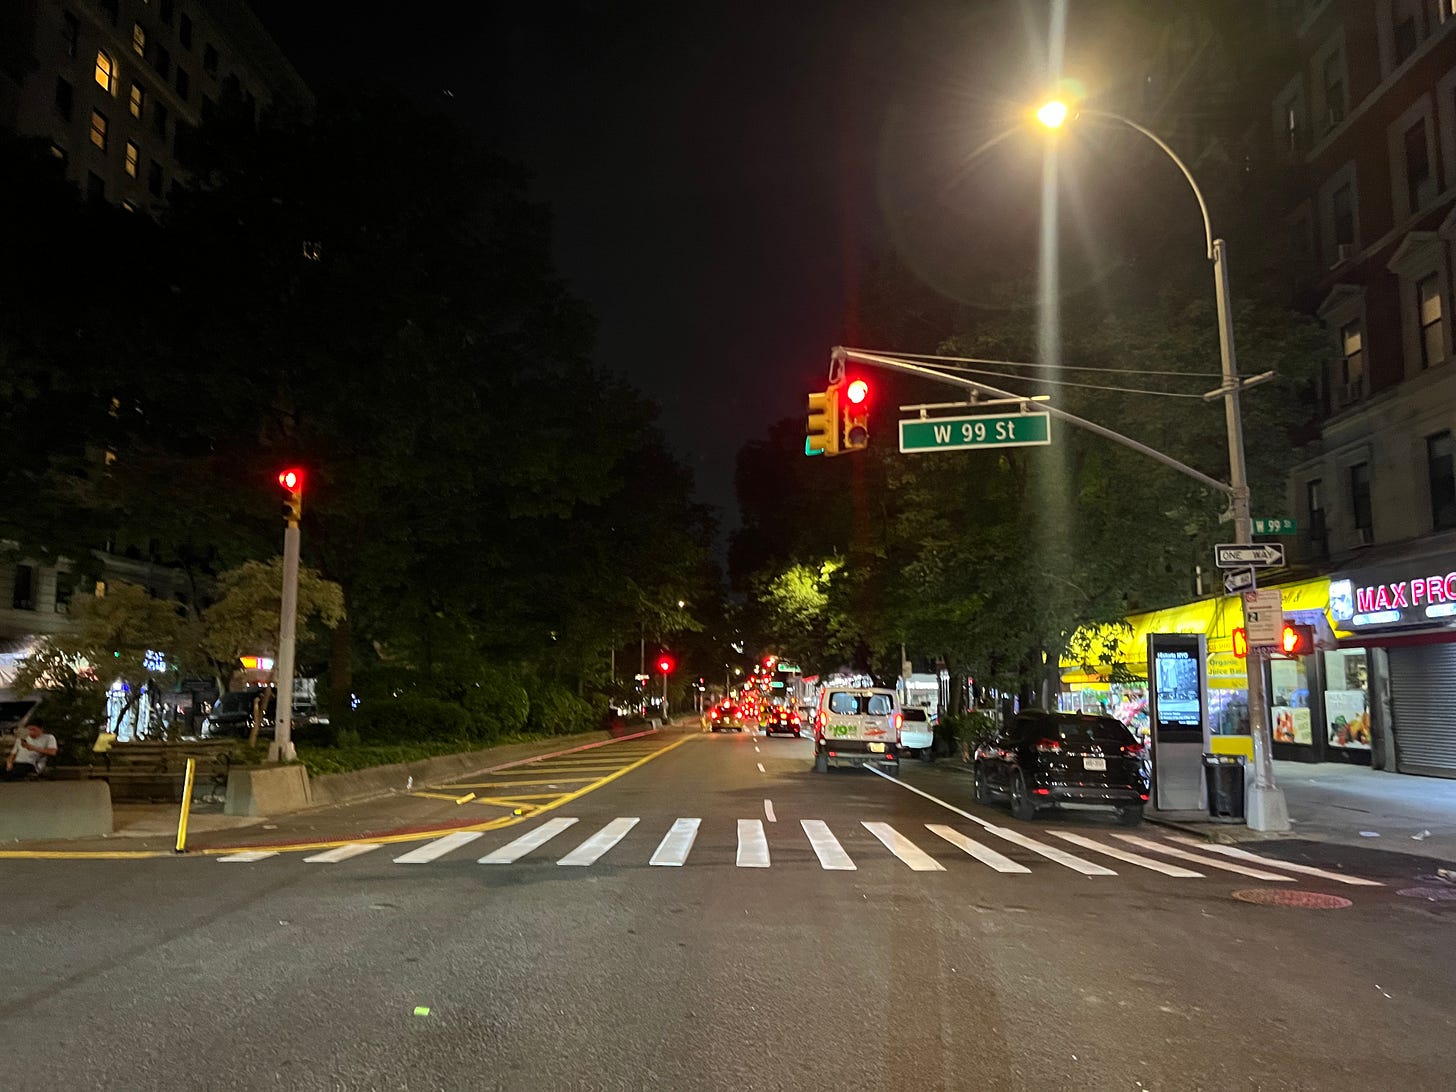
(1422, 680)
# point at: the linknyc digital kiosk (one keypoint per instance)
(1178, 717)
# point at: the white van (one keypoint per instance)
(854, 726)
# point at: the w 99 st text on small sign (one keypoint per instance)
(990, 430)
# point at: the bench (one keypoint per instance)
(156, 771)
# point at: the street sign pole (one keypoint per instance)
(281, 749)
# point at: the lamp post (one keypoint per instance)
(1266, 806)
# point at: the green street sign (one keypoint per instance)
(1276, 527)
(989, 430)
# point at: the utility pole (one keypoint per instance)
(281, 749)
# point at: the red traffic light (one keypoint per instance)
(291, 479)
(665, 665)
(1241, 642)
(857, 391)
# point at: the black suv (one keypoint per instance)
(1042, 759)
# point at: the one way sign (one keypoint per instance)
(1262, 555)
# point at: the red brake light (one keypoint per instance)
(1134, 749)
(1042, 792)
(1048, 746)
(898, 720)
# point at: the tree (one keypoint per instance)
(244, 618)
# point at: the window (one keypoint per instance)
(22, 590)
(130, 206)
(184, 32)
(138, 100)
(1352, 377)
(70, 33)
(1407, 32)
(59, 153)
(1428, 315)
(64, 98)
(164, 11)
(139, 39)
(110, 7)
(208, 108)
(95, 186)
(105, 72)
(209, 61)
(159, 120)
(154, 179)
(1334, 81)
(161, 60)
(65, 589)
(184, 84)
(1360, 498)
(133, 159)
(1420, 187)
(1441, 472)
(1314, 507)
(1342, 208)
(98, 129)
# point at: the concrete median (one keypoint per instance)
(44, 810)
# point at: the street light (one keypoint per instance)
(1267, 809)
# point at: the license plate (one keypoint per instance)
(1094, 763)
(877, 748)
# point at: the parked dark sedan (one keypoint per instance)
(1041, 759)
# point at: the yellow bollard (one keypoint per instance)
(186, 805)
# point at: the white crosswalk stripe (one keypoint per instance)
(826, 847)
(438, 848)
(343, 853)
(677, 843)
(904, 848)
(1051, 853)
(1288, 866)
(248, 856)
(985, 854)
(1177, 871)
(534, 839)
(752, 845)
(1200, 859)
(603, 840)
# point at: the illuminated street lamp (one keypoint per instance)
(1267, 809)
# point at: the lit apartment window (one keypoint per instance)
(1352, 376)
(133, 159)
(64, 98)
(1433, 328)
(1342, 209)
(154, 179)
(209, 61)
(105, 72)
(59, 153)
(1334, 79)
(98, 129)
(184, 32)
(184, 84)
(1441, 471)
(1418, 184)
(70, 33)
(139, 39)
(1360, 511)
(138, 100)
(129, 205)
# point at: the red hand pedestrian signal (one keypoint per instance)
(1296, 640)
(1241, 642)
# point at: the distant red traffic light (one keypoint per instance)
(291, 479)
(665, 664)
(857, 391)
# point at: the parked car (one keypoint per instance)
(779, 720)
(1042, 759)
(857, 726)
(918, 732)
(232, 715)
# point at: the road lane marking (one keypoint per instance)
(1307, 870)
(248, 856)
(985, 854)
(904, 848)
(933, 799)
(761, 769)
(826, 847)
(752, 844)
(343, 853)
(532, 839)
(603, 840)
(438, 848)
(755, 748)
(1051, 853)
(677, 843)
(1207, 862)
(768, 811)
(1131, 858)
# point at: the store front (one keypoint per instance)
(1390, 681)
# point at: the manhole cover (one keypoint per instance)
(1309, 900)
(1430, 894)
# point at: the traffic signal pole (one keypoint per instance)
(281, 749)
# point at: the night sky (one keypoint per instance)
(719, 172)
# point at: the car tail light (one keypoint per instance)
(833, 755)
(898, 720)
(1134, 749)
(1143, 795)
(1048, 746)
(1041, 792)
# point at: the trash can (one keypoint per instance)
(1224, 775)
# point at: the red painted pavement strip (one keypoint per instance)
(446, 825)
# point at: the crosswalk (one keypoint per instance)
(1174, 857)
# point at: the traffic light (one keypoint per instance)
(1241, 642)
(822, 436)
(855, 416)
(292, 480)
(1296, 640)
(665, 664)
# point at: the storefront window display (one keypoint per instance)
(1347, 698)
(1289, 701)
(1128, 702)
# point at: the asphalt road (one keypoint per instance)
(750, 964)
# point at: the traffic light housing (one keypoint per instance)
(822, 434)
(292, 481)
(1241, 642)
(855, 416)
(1296, 639)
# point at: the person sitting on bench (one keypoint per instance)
(28, 757)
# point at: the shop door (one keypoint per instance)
(1422, 679)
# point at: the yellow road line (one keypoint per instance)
(80, 855)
